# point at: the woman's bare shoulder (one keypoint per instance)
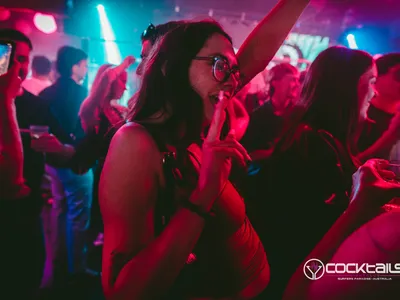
(132, 167)
(134, 135)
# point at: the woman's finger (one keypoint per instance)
(231, 135)
(386, 174)
(234, 144)
(377, 164)
(229, 152)
(218, 120)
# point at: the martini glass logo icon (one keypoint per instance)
(314, 269)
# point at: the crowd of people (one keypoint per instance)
(199, 189)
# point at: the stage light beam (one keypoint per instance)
(112, 52)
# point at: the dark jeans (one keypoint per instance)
(96, 224)
(22, 249)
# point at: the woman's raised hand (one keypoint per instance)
(217, 154)
(10, 83)
(372, 184)
(114, 72)
(128, 61)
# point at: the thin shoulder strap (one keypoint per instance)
(342, 157)
(340, 152)
(164, 207)
(337, 147)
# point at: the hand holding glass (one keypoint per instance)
(37, 131)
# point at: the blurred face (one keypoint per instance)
(287, 88)
(22, 53)
(388, 85)
(366, 90)
(146, 47)
(201, 73)
(80, 70)
(119, 86)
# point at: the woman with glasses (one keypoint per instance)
(175, 227)
(239, 116)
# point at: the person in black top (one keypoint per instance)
(21, 230)
(239, 115)
(267, 121)
(72, 193)
(301, 190)
(383, 108)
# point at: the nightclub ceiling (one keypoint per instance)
(377, 10)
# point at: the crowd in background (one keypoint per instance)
(202, 187)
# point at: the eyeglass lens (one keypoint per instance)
(222, 70)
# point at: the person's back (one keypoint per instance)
(291, 203)
(267, 121)
(264, 127)
(41, 69)
(307, 180)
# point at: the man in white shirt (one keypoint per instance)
(41, 69)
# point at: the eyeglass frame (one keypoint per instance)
(214, 60)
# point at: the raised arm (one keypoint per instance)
(11, 151)
(265, 40)
(99, 93)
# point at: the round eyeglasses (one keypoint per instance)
(221, 68)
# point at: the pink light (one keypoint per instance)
(45, 23)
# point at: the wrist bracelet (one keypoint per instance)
(197, 209)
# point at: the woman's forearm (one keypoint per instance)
(354, 217)
(160, 263)
(265, 40)
(11, 153)
(381, 148)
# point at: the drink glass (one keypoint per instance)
(37, 131)
(394, 166)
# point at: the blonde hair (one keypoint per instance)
(88, 111)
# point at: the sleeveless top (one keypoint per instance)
(229, 254)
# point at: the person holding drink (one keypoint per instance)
(22, 170)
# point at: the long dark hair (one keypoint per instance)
(165, 85)
(329, 97)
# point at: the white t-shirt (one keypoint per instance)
(35, 86)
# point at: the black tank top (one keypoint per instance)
(225, 259)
